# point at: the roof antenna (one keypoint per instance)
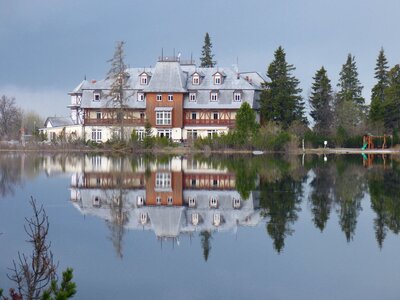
(162, 54)
(84, 78)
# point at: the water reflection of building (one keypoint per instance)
(179, 196)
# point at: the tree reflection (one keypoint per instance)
(385, 201)
(206, 237)
(349, 189)
(10, 173)
(321, 199)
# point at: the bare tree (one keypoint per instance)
(10, 117)
(119, 84)
(33, 273)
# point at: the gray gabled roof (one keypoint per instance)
(79, 87)
(167, 77)
(58, 121)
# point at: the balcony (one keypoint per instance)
(126, 122)
(209, 122)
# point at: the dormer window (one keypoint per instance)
(192, 97)
(217, 79)
(214, 96)
(140, 97)
(196, 79)
(143, 79)
(96, 96)
(237, 96)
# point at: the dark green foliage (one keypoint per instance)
(281, 100)
(376, 112)
(65, 291)
(349, 86)
(321, 101)
(206, 53)
(392, 99)
(148, 140)
(246, 124)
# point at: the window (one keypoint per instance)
(159, 97)
(140, 134)
(96, 96)
(158, 200)
(214, 96)
(215, 116)
(98, 115)
(192, 134)
(195, 219)
(170, 97)
(140, 97)
(142, 115)
(217, 219)
(217, 79)
(212, 132)
(96, 202)
(237, 97)
(169, 200)
(196, 79)
(236, 203)
(143, 79)
(167, 133)
(215, 182)
(98, 181)
(143, 218)
(163, 180)
(213, 202)
(193, 182)
(192, 202)
(140, 201)
(96, 135)
(163, 118)
(194, 116)
(192, 97)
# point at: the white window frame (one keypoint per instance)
(140, 97)
(237, 97)
(192, 97)
(170, 97)
(215, 114)
(140, 134)
(192, 134)
(163, 180)
(213, 96)
(96, 135)
(192, 202)
(98, 115)
(217, 79)
(163, 118)
(159, 97)
(170, 200)
(196, 79)
(167, 133)
(143, 79)
(96, 96)
(158, 200)
(213, 202)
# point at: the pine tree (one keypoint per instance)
(281, 100)
(392, 99)
(206, 54)
(119, 84)
(246, 124)
(349, 85)
(321, 102)
(378, 91)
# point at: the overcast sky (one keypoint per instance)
(48, 46)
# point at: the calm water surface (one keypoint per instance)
(211, 228)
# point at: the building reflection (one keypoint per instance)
(170, 197)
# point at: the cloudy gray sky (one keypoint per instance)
(48, 46)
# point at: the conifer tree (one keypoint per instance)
(281, 100)
(349, 85)
(378, 91)
(206, 53)
(321, 102)
(119, 84)
(392, 99)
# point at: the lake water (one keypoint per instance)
(236, 227)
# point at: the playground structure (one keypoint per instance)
(368, 141)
